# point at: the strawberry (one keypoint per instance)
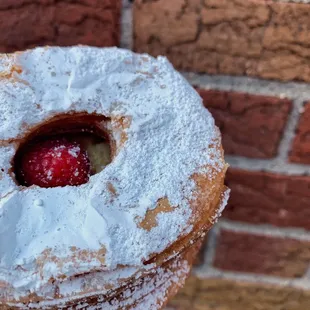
(55, 162)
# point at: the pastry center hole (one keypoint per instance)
(64, 152)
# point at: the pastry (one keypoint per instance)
(112, 171)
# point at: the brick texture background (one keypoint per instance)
(25, 24)
(221, 294)
(252, 37)
(262, 197)
(251, 125)
(243, 252)
(250, 62)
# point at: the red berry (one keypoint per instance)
(55, 162)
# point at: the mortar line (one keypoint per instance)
(307, 274)
(210, 273)
(126, 25)
(252, 85)
(126, 4)
(210, 249)
(265, 230)
(289, 131)
(293, 1)
(269, 165)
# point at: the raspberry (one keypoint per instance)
(55, 162)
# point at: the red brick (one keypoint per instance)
(224, 294)
(261, 38)
(267, 198)
(251, 125)
(300, 152)
(243, 252)
(25, 24)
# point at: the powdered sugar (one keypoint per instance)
(168, 139)
(225, 197)
(7, 183)
(74, 151)
(39, 202)
(149, 296)
(49, 174)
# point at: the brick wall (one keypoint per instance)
(250, 62)
(29, 23)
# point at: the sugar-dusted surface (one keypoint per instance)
(7, 184)
(169, 138)
(149, 292)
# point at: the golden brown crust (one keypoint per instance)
(187, 247)
(160, 293)
(204, 206)
(208, 187)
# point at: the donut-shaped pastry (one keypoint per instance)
(111, 173)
